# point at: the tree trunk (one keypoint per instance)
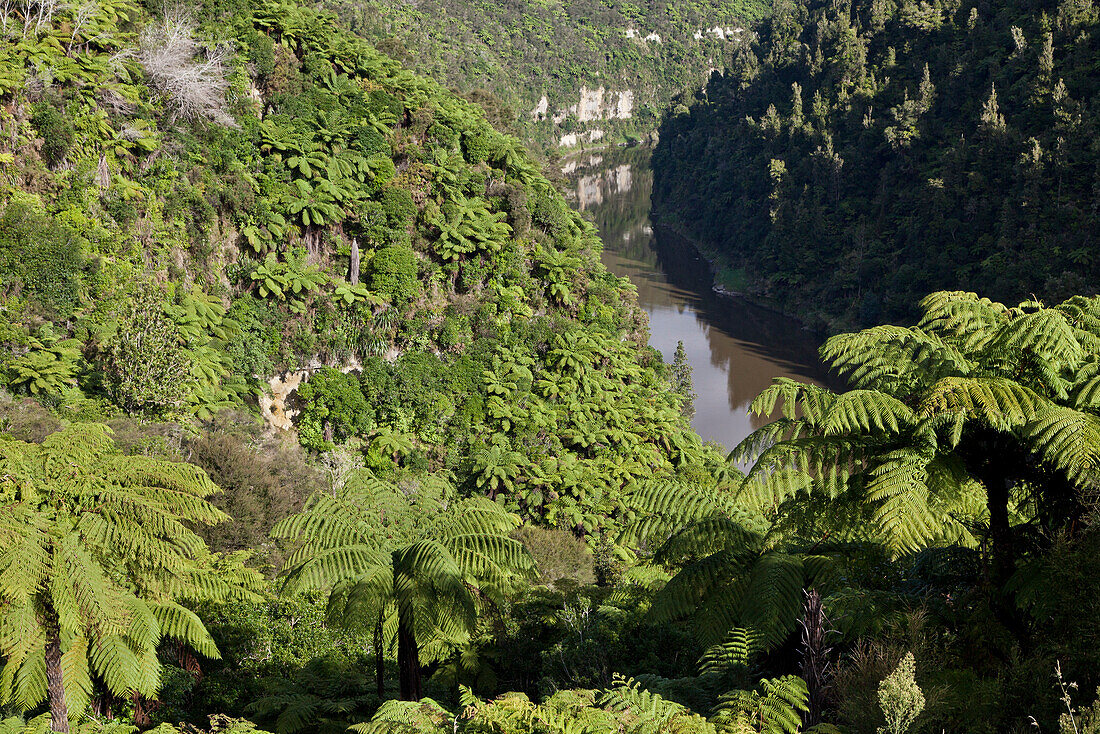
(353, 274)
(55, 687)
(379, 663)
(815, 656)
(408, 659)
(995, 461)
(1002, 557)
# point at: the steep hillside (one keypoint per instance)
(562, 73)
(199, 212)
(863, 154)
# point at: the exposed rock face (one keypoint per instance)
(572, 139)
(541, 109)
(600, 104)
(722, 33)
(273, 406)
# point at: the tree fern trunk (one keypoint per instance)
(408, 659)
(379, 663)
(55, 687)
(1002, 558)
(815, 656)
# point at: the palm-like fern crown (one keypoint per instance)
(1031, 373)
(742, 590)
(418, 550)
(96, 550)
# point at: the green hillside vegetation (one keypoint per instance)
(864, 154)
(185, 218)
(508, 55)
(490, 515)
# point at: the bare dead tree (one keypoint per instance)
(193, 77)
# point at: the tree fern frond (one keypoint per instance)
(774, 707)
(1003, 404)
(799, 400)
(867, 411)
(736, 651)
(1069, 440)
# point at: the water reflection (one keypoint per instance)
(734, 347)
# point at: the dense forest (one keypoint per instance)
(862, 154)
(319, 413)
(512, 56)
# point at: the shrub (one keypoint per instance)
(45, 256)
(900, 697)
(399, 207)
(370, 142)
(56, 130)
(144, 362)
(393, 273)
(560, 557)
(476, 145)
(334, 409)
(25, 419)
(262, 481)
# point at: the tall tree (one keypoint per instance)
(417, 563)
(96, 554)
(681, 375)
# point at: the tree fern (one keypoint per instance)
(96, 554)
(978, 404)
(415, 558)
(775, 706)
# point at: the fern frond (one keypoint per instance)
(736, 651)
(1069, 440)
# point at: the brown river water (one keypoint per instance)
(735, 348)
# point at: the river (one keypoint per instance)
(735, 348)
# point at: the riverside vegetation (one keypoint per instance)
(526, 62)
(863, 154)
(492, 515)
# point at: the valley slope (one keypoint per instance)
(863, 154)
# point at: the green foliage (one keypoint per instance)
(914, 441)
(293, 278)
(98, 560)
(391, 556)
(44, 256)
(56, 130)
(776, 706)
(143, 360)
(392, 273)
(879, 152)
(900, 698)
(48, 368)
(334, 409)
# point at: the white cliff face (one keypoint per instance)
(594, 105)
(541, 109)
(590, 104)
(574, 139)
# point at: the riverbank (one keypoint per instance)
(813, 323)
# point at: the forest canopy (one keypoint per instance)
(863, 154)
